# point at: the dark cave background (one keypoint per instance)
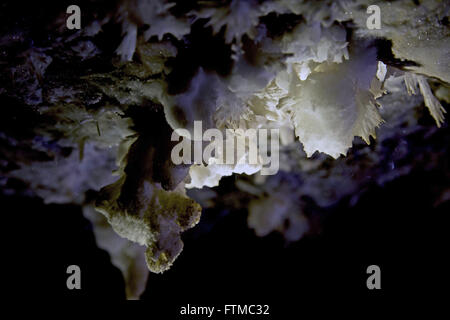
(396, 227)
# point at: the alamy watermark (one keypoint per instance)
(374, 280)
(239, 147)
(74, 278)
(74, 20)
(374, 20)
